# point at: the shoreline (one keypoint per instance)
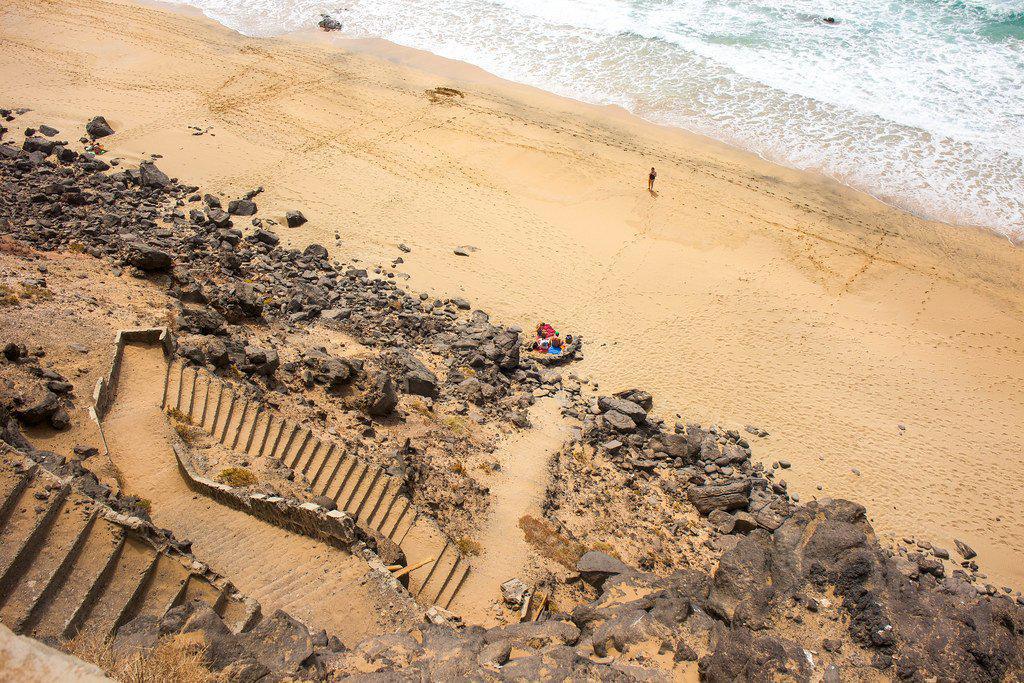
(430, 63)
(762, 294)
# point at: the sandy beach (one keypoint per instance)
(740, 293)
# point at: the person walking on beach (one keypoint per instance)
(650, 179)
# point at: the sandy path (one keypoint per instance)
(516, 490)
(320, 585)
(759, 294)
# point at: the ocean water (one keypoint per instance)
(917, 102)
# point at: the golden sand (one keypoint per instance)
(742, 293)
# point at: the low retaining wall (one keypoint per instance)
(330, 526)
(333, 527)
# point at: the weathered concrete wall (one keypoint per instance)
(26, 660)
(330, 526)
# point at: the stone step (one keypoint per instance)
(192, 390)
(401, 510)
(163, 589)
(265, 434)
(129, 573)
(299, 446)
(12, 485)
(376, 514)
(203, 414)
(77, 616)
(318, 465)
(336, 481)
(287, 443)
(366, 491)
(311, 453)
(29, 511)
(449, 592)
(277, 435)
(57, 545)
(252, 430)
(441, 574)
(241, 425)
(231, 402)
(219, 396)
(347, 495)
(70, 588)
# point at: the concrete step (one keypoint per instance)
(318, 465)
(347, 495)
(364, 496)
(164, 587)
(70, 589)
(308, 456)
(299, 447)
(449, 592)
(397, 510)
(374, 514)
(56, 548)
(129, 573)
(31, 508)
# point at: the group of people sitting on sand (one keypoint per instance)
(549, 341)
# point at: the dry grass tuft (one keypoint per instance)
(170, 661)
(456, 424)
(555, 546)
(469, 547)
(178, 415)
(35, 293)
(8, 297)
(184, 432)
(236, 476)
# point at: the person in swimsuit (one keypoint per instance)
(650, 179)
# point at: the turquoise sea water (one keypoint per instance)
(918, 102)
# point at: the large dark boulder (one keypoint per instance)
(238, 301)
(742, 656)
(381, 398)
(151, 176)
(317, 251)
(621, 405)
(732, 496)
(241, 207)
(673, 446)
(202, 321)
(40, 407)
(743, 578)
(294, 219)
(148, 258)
(260, 361)
(596, 567)
(416, 378)
(98, 128)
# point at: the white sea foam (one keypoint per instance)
(919, 102)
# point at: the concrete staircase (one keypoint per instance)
(360, 488)
(67, 566)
